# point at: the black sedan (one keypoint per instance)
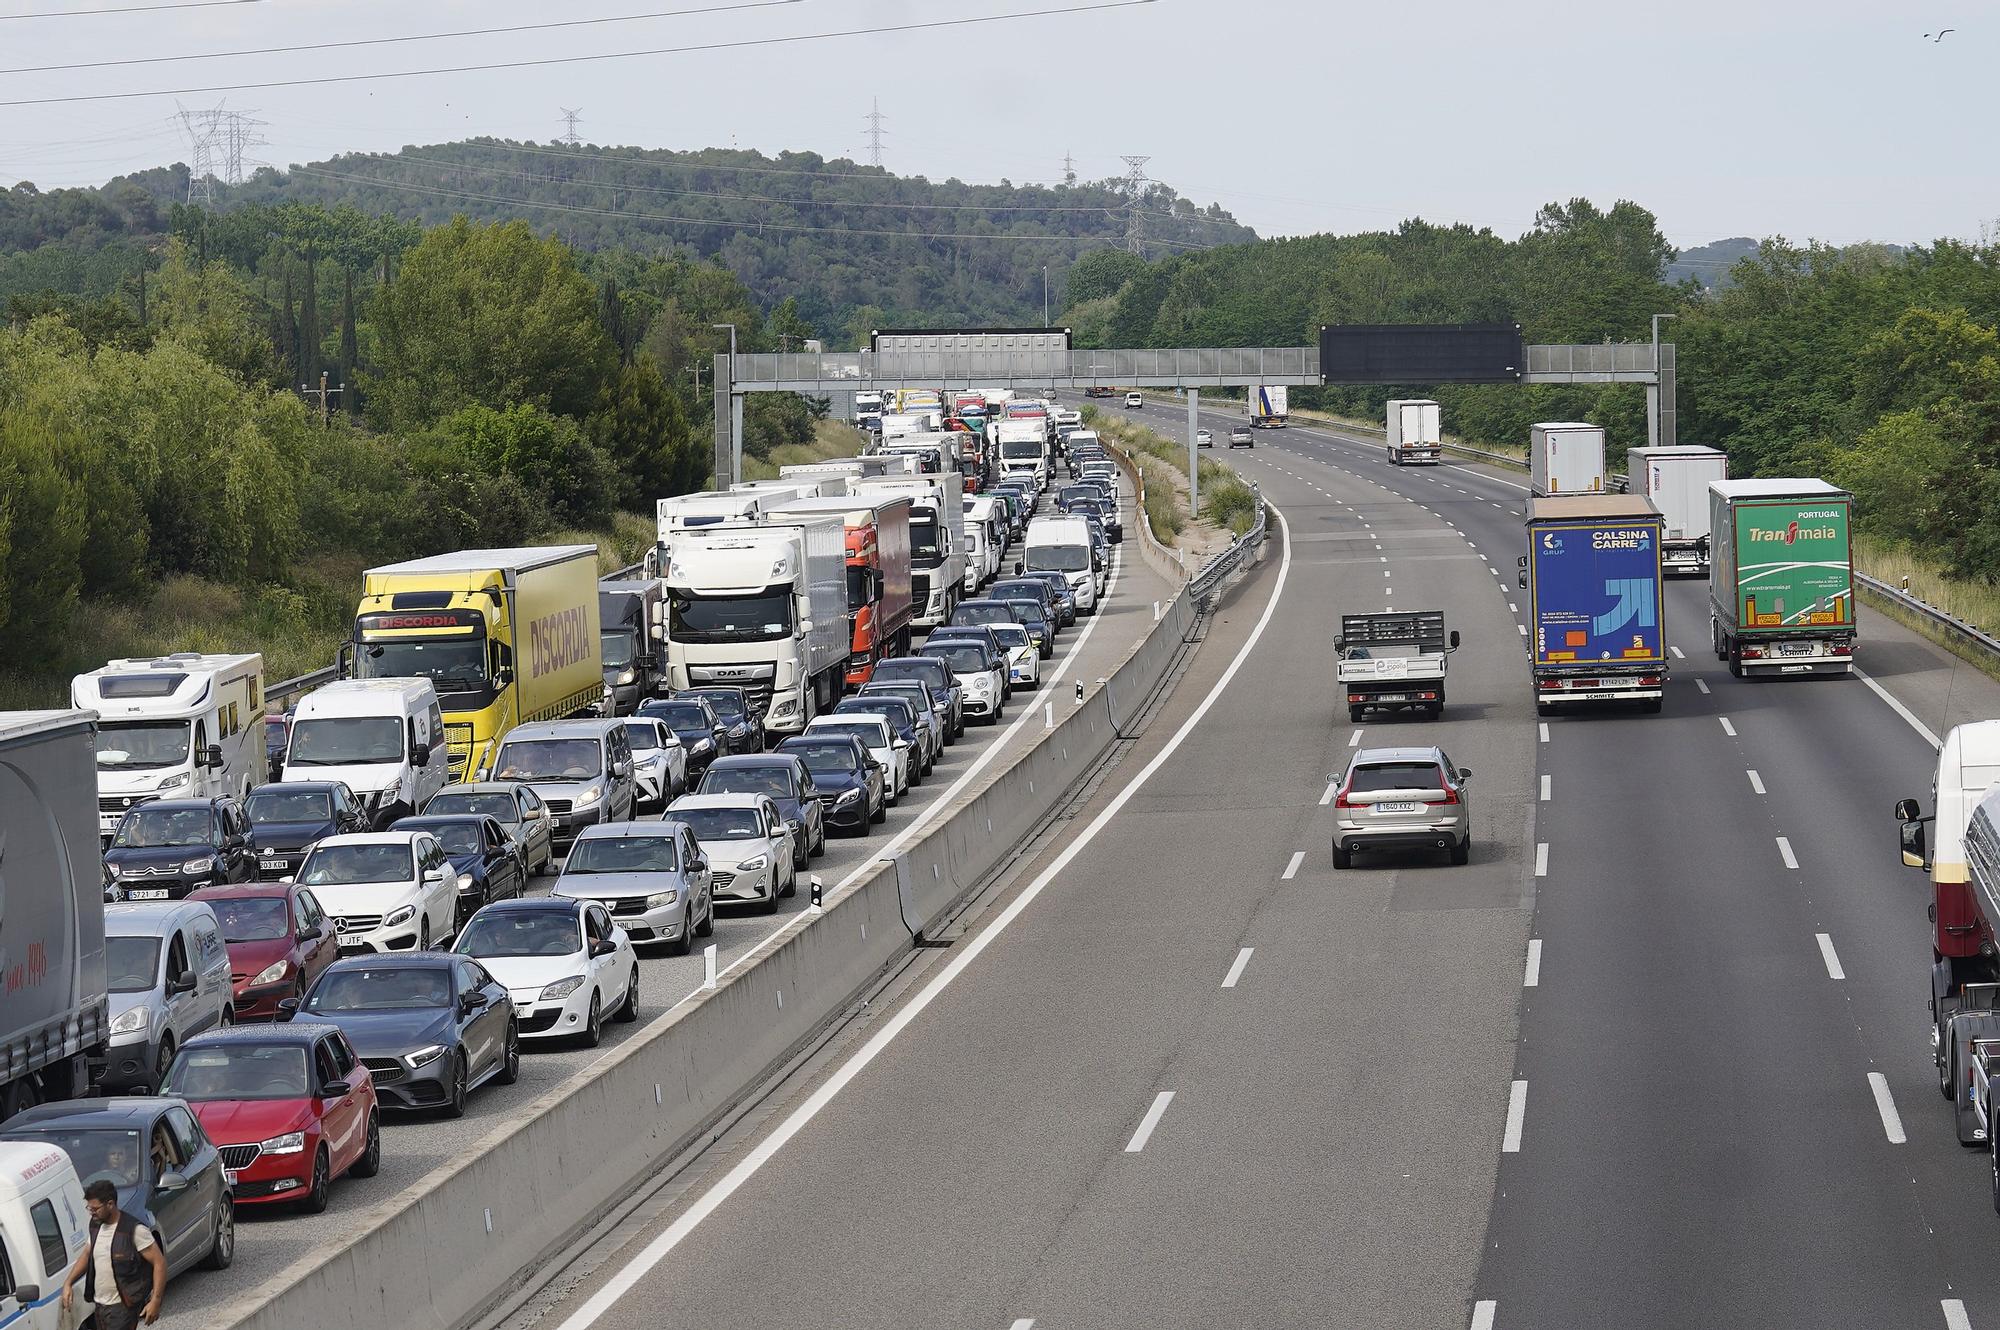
(287, 819)
(850, 782)
(1059, 587)
(490, 865)
(903, 720)
(701, 731)
(743, 728)
(167, 848)
(430, 1026)
(789, 783)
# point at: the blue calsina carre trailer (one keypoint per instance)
(1597, 624)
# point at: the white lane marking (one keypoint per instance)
(1701, 684)
(1532, 978)
(1354, 739)
(1785, 853)
(1482, 1311)
(1544, 727)
(1331, 786)
(1678, 654)
(1513, 608)
(616, 1288)
(1756, 781)
(1385, 571)
(1954, 1315)
(1827, 954)
(1292, 869)
(1517, 1112)
(1727, 728)
(1523, 627)
(1385, 559)
(1885, 1104)
(1545, 789)
(1541, 859)
(1025, 1323)
(1150, 1121)
(1898, 707)
(1242, 959)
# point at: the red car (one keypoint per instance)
(290, 1107)
(279, 940)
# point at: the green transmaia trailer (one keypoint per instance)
(1781, 592)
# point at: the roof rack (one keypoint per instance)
(1423, 627)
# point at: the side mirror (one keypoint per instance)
(698, 864)
(182, 982)
(420, 757)
(1913, 844)
(172, 1182)
(805, 625)
(1907, 810)
(212, 756)
(1522, 578)
(1453, 639)
(288, 1008)
(311, 933)
(604, 946)
(471, 1002)
(621, 768)
(1465, 773)
(335, 1089)
(433, 875)
(27, 1294)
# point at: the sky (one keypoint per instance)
(1836, 121)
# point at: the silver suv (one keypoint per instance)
(1402, 798)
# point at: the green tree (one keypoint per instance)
(41, 537)
(548, 455)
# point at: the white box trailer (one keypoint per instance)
(1414, 431)
(1269, 405)
(1566, 457)
(1676, 479)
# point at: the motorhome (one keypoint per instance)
(184, 726)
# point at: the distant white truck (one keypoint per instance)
(1676, 479)
(937, 539)
(1269, 405)
(1414, 431)
(185, 726)
(1565, 457)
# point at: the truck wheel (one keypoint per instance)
(1948, 1071)
(1342, 858)
(1715, 640)
(1354, 714)
(1735, 660)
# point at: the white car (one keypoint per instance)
(1203, 439)
(747, 842)
(1024, 662)
(984, 690)
(659, 762)
(566, 966)
(880, 741)
(384, 890)
(650, 875)
(1133, 401)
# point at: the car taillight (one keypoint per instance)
(1450, 795)
(1354, 697)
(1649, 681)
(1843, 649)
(1548, 683)
(1340, 799)
(1752, 653)
(1427, 697)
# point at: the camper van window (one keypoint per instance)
(341, 740)
(139, 685)
(142, 743)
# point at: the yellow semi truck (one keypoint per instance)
(505, 636)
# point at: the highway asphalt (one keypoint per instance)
(1658, 1056)
(270, 1240)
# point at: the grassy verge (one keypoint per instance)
(1973, 602)
(831, 439)
(1227, 503)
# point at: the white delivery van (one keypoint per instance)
(1062, 544)
(185, 726)
(383, 737)
(43, 1229)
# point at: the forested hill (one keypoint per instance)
(856, 247)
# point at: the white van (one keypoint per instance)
(985, 509)
(43, 1229)
(383, 737)
(978, 551)
(1062, 544)
(185, 726)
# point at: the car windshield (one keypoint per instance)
(290, 806)
(498, 935)
(253, 918)
(764, 615)
(622, 854)
(978, 614)
(380, 988)
(1395, 776)
(343, 740)
(681, 715)
(1012, 635)
(895, 708)
(458, 837)
(1059, 558)
(154, 828)
(497, 805)
(343, 865)
(643, 738)
(107, 1154)
(549, 759)
(143, 743)
(727, 706)
(766, 778)
(868, 732)
(721, 823)
(908, 693)
(239, 1071)
(825, 755)
(963, 660)
(134, 963)
(616, 648)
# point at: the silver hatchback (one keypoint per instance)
(1402, 798)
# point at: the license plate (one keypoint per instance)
(1795, 648)
(1397, 808)
(271, 865)
(1392, 697)
(146, 894)
(229, 1176)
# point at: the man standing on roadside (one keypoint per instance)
(114, 1265)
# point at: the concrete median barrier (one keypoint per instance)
(439, 1253)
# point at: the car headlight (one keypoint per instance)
(628, 676)
(113, 869)
(847, 797)
(175, 781)
(659, 900)
(590, 794)
(201, 865)
(131, 1020)
(272, 973)
(756, 865)
(291, 1143)
(704, 745)
(402, 916)
(423, 1057)
(562, 988)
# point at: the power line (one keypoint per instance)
(383, 41)
(129, 9)
(696, 49)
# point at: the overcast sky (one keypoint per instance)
(1835, 120)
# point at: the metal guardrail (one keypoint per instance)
(1204, 584)
(1972, 634)
(282, 694)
